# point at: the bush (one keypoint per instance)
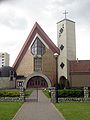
(12, 93)
(27, 93)
(5, 93)
(71, 93)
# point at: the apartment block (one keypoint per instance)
(4, 59)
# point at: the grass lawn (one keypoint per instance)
(8, 109)
(46, 92)
(74, 111)
(28, 93)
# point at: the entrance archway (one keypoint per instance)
(37, 80)
(64, 83)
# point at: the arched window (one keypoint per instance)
(38, 48)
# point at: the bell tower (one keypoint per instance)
(67, 44)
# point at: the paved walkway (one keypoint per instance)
(41, 110)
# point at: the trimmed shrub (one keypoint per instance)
(27, 93)
(9, 93)
(71, 93)
(12, 93)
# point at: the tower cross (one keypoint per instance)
(65, 13)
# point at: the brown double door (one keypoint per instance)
(37, 82)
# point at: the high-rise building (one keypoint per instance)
(4, 59)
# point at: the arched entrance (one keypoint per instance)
(37, 82)
(64, 83)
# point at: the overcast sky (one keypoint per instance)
(17, 18)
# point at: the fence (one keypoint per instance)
(67, 98)
(8, 96)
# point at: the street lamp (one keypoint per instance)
(56, 87)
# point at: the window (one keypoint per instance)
(2, 56)
(61, 47)
(62, 25)
(62, 65)
(61, 30)
(38, 48)
(37, 64)
(11, 75)
(20, 84)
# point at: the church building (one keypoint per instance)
(40, 61)
(36, 60)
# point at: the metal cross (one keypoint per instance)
(65, 13)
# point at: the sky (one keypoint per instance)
(17, 18)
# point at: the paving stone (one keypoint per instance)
(41, 110)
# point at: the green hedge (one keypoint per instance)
(71, 93)
(9, 93)
(28, 93)
(13, 93)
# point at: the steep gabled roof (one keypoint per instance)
(36, 29)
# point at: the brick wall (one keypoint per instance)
(82, 80)
(49, 65)
(26, 67)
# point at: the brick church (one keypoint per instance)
(40, 59)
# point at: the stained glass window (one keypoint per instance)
(38, 48)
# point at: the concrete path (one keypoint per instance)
(41, 110)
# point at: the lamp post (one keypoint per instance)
(56, 87)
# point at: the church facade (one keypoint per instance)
(37, 66)
(36, 60)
